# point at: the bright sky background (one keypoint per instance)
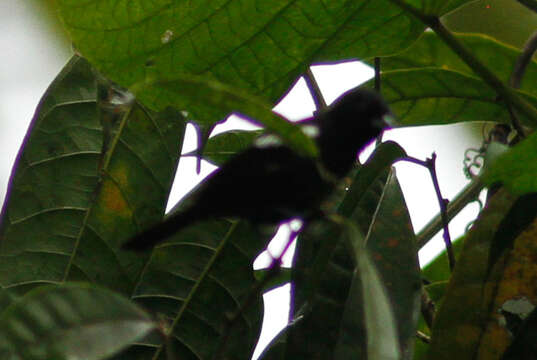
(31, 61)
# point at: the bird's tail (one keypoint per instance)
(161, 231)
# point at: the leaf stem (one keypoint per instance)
(315, 90)
(459, 202)
(377, 75)
(473, 62)
(423, 337)
(109, 147)
(523, 61)
(427, 308)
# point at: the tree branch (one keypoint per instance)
(430, 164)
(455, 206)
(523, 61)
(517, 75)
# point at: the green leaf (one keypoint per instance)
(359, 203)
(185, 91)
(223, 146)
(459, 321)
(436, 7)
(321, 279)
(260, 48)
(518, 219)
(374, 169)
(391, 243)
(197, 281)
(70, 206)
(71, 322)
(517, 168)
(367, 304)
(431, 51)
(6, 298)
(433, 96)
(452, 5)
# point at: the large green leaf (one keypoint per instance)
(220, 38)
(70, 206)
(70, 322)
(261, 47)
(493, 288)
(459, 322)
(517, 168)
(391, 242)
(197, 281)
(434, 96)
(223, 146)
(368, 326)
(431, 51)
(395, 259)
(6, 298)
(186, 91)
(362, 196)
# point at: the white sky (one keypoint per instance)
(32, 60)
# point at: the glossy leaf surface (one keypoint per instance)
(70, 322)
(69, 205)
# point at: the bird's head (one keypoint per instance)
(360, 110)
(348, 125)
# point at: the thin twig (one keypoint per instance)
(455, 206)
(530, 4)
(315, 90)
(518, 74)
(427, 308)
(523, 61)
(377, 89)
(516, 122)
(423, 337)
(377, 74)
(274, 270)
(430, 164)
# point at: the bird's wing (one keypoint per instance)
(274, 176)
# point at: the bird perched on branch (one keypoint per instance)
(272, 183)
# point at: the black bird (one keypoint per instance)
(272, 183)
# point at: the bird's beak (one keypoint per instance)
(388, 121)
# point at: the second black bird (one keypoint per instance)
(270, 184)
